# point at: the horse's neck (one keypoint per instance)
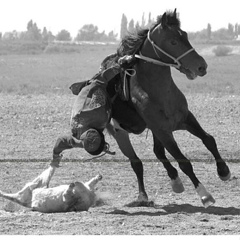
(154, 78)
(157, 82)
(149, 73)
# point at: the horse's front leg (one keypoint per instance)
(159, 151)
(194, 128)
(123, 141)
(185, 165)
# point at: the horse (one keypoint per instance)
(156, 103)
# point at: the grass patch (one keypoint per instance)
(54, 73)
(42, 73)
(21, 47)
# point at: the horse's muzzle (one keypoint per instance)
(202, 70)
(193, 72)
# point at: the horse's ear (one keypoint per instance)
(164, 20)
(175, 13)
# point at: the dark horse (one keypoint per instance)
(156, 102)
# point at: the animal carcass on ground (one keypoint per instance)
(36, 195)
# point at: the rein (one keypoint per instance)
(131, 73)
(177, 63)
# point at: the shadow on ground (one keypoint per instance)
(181, 208)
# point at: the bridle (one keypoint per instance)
(176, 63)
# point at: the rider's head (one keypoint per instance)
(93, 141)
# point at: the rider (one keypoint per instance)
(91, 113)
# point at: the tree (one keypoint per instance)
(51, 37)
(236, 30)
(231, 30)
(209, 31)
(221, 34)
(112, 36)
(137, 25)
(102, 37)
(88, 32)
(47, 36)
(33, 32)
(131, 27)
(29, 25)
(63, 35)
(124, 27)
(143, 21)
(8, 36)
(149, 19)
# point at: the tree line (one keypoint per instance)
(226, 34)
(230, 33)
(90, 32)
(131, 26)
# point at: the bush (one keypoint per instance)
(62, 48)
(222, 50)
(21, 47)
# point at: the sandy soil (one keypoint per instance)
(29, 127)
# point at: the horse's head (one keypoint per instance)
(171, 46)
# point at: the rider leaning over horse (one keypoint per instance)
(91, 112)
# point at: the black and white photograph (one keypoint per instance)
(120, 118)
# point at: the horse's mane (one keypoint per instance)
(132, 42)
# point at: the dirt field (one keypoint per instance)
(31, 123)
(29, 128)
(173, 214)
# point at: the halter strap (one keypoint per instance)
(176, 63)
(154, 61)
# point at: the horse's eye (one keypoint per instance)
(174, 42)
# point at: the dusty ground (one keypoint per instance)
(29, 126)
(173, 214)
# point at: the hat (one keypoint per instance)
(93, 141)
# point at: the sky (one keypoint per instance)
(71, 15)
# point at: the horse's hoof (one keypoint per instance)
(225, 178)
(225, 174)
(142, 197)
(206, 197)
(177, 185)
(208, 200)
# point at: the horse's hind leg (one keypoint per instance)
(159, 151)
(123, 141)
(194, 128)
